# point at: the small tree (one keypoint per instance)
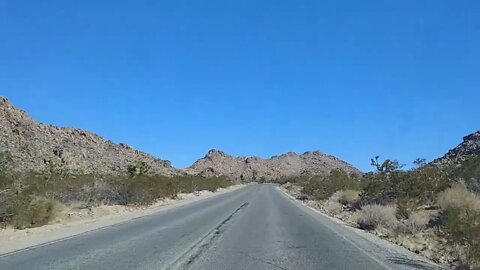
(420, 162)
(387, 167)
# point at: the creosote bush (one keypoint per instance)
(459, 197)
(34, 199)
(322, 188)
(417, 221)
(461, 222)
(35, 213)
(332, 207)
(347, 197)
(373, 216)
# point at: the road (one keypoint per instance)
(256, 227)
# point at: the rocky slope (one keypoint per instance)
(31, 146)
(470, 147)
(28, 145)
(217, 163)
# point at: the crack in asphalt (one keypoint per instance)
(193, 253)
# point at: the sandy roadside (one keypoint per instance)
(77, 221)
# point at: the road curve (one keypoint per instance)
(256, 227)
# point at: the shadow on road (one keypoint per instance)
(415, 264)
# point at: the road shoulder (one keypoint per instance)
(375, 247)
(101, 217)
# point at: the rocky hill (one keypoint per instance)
(217, 163)
(31, 146)
(28, 145)
(470, 147)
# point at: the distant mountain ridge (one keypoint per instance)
(217, 163)
(32, 146)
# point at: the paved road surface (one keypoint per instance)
(256, 227)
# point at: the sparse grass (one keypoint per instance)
(459, 197)
(373, 216)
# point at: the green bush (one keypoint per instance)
(414, 187)
(138, 168)
(323, 188)
(211, 184)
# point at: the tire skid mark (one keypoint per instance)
(194, 252)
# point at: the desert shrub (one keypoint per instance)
(191, 184)
(332, 207)
(323, 188)
(469, 171)
(373, 216)
(213, 183)
(459, 197)
(461, 222)
(138, 168)
(462, 229)
(406, 206)
(142, 189)
(36, 212)
(312, 186)
(347, 197)
(27, 200)
(146, 189)
(420, 185)
(22, 204)
(417, 221)
(7, 207)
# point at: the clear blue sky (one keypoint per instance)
(399, 79)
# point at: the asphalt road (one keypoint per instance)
(256, 227)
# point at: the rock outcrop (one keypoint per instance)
(470, 147)
(217, 163)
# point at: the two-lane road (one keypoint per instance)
(256, 227)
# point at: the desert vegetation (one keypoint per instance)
(429, 209)
(35, 199)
